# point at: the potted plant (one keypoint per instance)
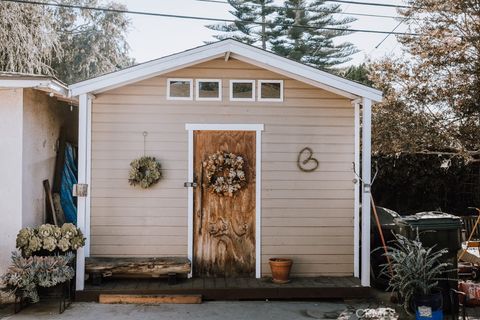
(26, 275)
(45, 264)
(414, 276)
(280, 269)
(48, 239)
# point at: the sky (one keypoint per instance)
(154, 37)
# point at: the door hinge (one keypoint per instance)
(190, 184)
(80, 190)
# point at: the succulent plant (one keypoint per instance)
(63, 244)
(69, 230)
(50, 238)
(45, 230)
(49, 243)
(25, 275)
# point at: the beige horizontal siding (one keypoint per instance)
(306, 216)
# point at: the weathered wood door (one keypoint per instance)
(223, 226)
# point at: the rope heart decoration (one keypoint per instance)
(305, 161)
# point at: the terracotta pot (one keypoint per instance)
(280, 269)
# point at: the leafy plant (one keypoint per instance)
(25, 275)
(416, 269)
(50, 238)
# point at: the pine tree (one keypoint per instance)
(300, 33)
(359, 73)
(252, 20)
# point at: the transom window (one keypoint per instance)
(209, 89)
(242, 90)
(180, 89)
(270, 90)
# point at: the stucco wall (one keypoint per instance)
(30, 123)
(42, 119)
(10, 171)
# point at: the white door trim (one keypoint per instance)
(258, 128)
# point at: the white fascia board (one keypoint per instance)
(40, 84)
(148, 70)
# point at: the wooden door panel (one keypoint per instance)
(224, 227)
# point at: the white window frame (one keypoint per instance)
(242, 81)
(260, 82)
(197, 90)
(179, 98)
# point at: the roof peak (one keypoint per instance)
(236, 49)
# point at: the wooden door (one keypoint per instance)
(224, 226)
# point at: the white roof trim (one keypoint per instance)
(238, 50)
(44, 84)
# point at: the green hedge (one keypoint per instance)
(410, 183)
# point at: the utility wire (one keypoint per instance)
(388, 35)
(165, 15)
(317, 11)
(373, 4)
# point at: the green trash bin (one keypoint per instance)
(443, 231)
(438, 229)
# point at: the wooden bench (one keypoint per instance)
(101, 267)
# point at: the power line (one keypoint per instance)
(373, 4)
(165, 15)
(317, 11)
(385, 38)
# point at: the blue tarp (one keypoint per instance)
(69, 178)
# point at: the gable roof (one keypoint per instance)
(233, 49)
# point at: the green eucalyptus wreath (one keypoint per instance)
(144, 171)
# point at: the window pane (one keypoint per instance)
(242, 90)
(270, 90)
(180, 89)
(208, 89)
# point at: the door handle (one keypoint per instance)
(190, 184)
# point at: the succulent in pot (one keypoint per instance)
(48, 239)
(414, 276)
(26, 275)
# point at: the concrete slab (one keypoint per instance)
(251, 310)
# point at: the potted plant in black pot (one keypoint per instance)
(45, 265)
(414, 275)
(26, 276)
